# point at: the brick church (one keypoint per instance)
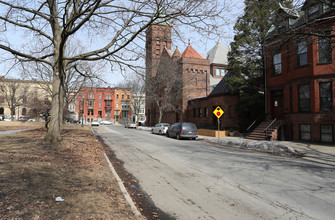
(182, 86)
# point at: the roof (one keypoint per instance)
(290, 11)
(222, 87)
(176, 53)
(190, 52)
(161, 18)
(218, 54)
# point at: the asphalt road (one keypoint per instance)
(198, 180)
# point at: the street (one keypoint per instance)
(198, 180)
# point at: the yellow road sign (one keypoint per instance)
(218, 112)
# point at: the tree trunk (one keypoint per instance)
(55, 125)
(160, 115)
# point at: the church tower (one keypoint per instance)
(158, 36)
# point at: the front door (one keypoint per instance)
(277, 105)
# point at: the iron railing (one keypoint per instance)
(271, 127)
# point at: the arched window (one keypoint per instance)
(24, 111)
(165, 42)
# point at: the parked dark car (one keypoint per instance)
(181, 130)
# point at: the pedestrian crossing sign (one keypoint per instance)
(218, 112)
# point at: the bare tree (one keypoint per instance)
(50, 25)
(40, 109)
(15, 93)
(136, 84)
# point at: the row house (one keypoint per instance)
(300, 72)
(94, 103)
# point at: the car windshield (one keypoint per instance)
(189, 126)
(165, 124)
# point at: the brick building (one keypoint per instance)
(193, 76)
(300, 72)
(94, 103)
(200, 110)
(20, 94)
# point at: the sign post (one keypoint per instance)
(218, 113)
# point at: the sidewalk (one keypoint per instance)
(320, 153)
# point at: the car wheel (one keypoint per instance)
(193, 138)
(167, 134)
(178, 136)
(160, 132)
(152, 130)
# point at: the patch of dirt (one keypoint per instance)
(33, 173)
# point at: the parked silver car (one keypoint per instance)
(130, 125)
(105, 122)
(95, 123)
(160, 128)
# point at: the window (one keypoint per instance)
(165, 41)
(302, 54)
(218, 72)
(99, 104)
(325, 50)
(196, 81)
(24, 111)
(291, 99)
(281, 27)
(194, 113)
(206, 112)
(326, 133)
(117, 105)
(24, 99)
(313, 12)
(90, 103)
(200, 112)
(99, 96)
(304, 98)
(127, 96)
(305, 132)
(325, 7)
(277, 64)
(91, 95)
(326, 99)
(82, 95)
(117, 96)
(158, 47)
(122, 96)
(108, 113)
(288, 57)
(90, 112)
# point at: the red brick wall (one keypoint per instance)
(312, 74)
(226, 102)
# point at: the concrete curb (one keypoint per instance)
(123, 188)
